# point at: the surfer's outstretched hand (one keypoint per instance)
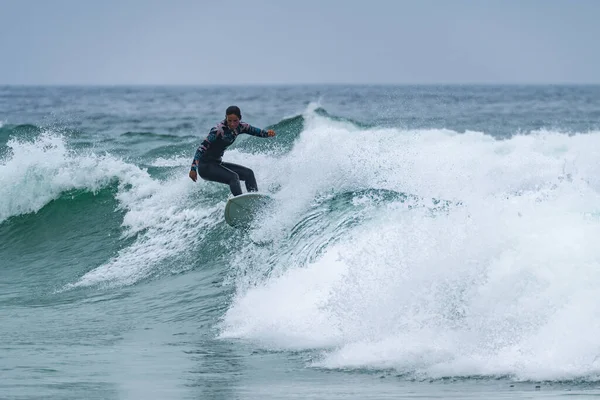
(193, 175)
(271, 133)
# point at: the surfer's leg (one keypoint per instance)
(219, 173)
(245, 174)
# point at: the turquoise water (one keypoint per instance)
(427, 241)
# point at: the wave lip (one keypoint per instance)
(37, 172)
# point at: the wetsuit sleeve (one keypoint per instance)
(210, 139)
(251, 130)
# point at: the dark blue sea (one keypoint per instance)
(424, 242)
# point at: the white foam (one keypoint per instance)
(166, 225)
(503, 284)
(37, 172)
(170, 162)
(159, 215)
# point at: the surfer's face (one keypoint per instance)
(232, 121)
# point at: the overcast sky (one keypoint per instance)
(300, 41)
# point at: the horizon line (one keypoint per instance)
(265, 84)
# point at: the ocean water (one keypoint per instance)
(427, 241)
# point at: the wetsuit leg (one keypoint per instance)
(245, 174)
(217, 172)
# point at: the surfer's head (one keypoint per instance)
(233, 115)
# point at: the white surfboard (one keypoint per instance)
(241, 210)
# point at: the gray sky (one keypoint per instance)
(300, 41)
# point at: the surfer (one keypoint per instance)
(208, 158)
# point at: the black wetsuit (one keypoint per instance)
(208, 158)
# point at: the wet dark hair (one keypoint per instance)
(233, 110)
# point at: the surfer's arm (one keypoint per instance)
(254, 131)
(212, 136)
